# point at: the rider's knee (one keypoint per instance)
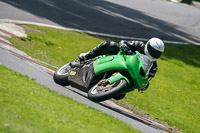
(108, 44)
(113, 48)
(108, 47)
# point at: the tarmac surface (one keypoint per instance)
(140, 19)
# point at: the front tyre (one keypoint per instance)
(61, 75)
(100, 93)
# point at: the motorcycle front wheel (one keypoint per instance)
(61, 75)
(101, 93)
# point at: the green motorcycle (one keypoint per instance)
(106, 77)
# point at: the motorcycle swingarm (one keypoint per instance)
(81, 78)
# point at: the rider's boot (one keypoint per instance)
(76, 63)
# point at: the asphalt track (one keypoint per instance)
(141, 19)
(20, 62)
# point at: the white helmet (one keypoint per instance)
(154, 48)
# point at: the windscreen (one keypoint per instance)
(146, 62)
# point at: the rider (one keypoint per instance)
(153, 49)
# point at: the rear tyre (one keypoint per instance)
(100, 93)
(61, 75)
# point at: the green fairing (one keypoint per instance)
(131, 63)
(137, 71)
(108, 63)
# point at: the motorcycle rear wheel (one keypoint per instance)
(61, 75)
(98, 93)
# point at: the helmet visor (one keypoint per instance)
(153, 52)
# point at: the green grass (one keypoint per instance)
(174, 93)
(27, 107)
(55, 46)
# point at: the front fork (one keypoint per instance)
(117, 76)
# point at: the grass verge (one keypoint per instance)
(26, 106)
(173, 95)
(54, 46)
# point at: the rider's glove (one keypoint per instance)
(123, 46)
(143, 89)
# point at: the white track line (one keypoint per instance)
(86, 31)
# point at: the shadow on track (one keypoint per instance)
(102, 16)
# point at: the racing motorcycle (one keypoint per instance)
(106, 77)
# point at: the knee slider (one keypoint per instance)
(108, 43)
(104, 44)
